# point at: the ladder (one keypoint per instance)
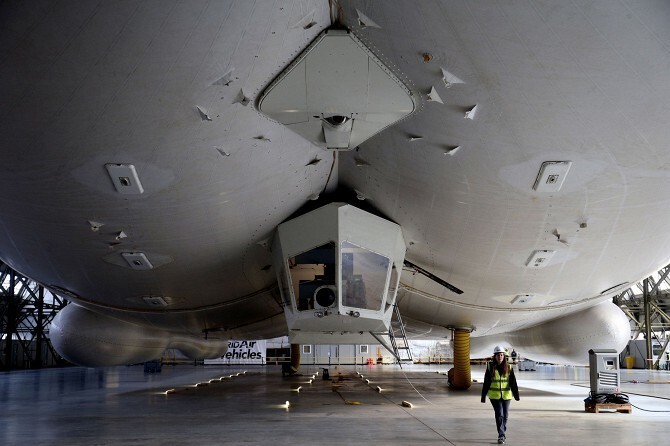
(398, 338)
(399, 347)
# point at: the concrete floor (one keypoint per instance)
(122, 405)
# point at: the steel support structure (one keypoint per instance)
(26, 310)
(647, 305)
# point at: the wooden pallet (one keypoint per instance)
(596, 408)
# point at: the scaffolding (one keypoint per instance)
(647, 305)
(26, 310)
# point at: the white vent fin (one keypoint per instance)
(433, 96)
(470, 114)
(365, 21)
(449, 79)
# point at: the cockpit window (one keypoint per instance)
(364, 276)
(313, 278)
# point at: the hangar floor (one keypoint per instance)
(122, 405)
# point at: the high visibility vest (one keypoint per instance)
(499, 386)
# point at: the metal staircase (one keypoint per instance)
(399, 347)
(398, 338)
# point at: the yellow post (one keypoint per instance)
(630, 362)
(459, 376)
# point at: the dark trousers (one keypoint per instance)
(501, 408)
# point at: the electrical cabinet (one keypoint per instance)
(604, 365)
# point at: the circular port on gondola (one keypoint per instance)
(336, 120)
(325, 296)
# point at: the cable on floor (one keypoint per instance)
(414, 416)
(614, 398)
(415, 389)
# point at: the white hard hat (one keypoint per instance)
(498, 349)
